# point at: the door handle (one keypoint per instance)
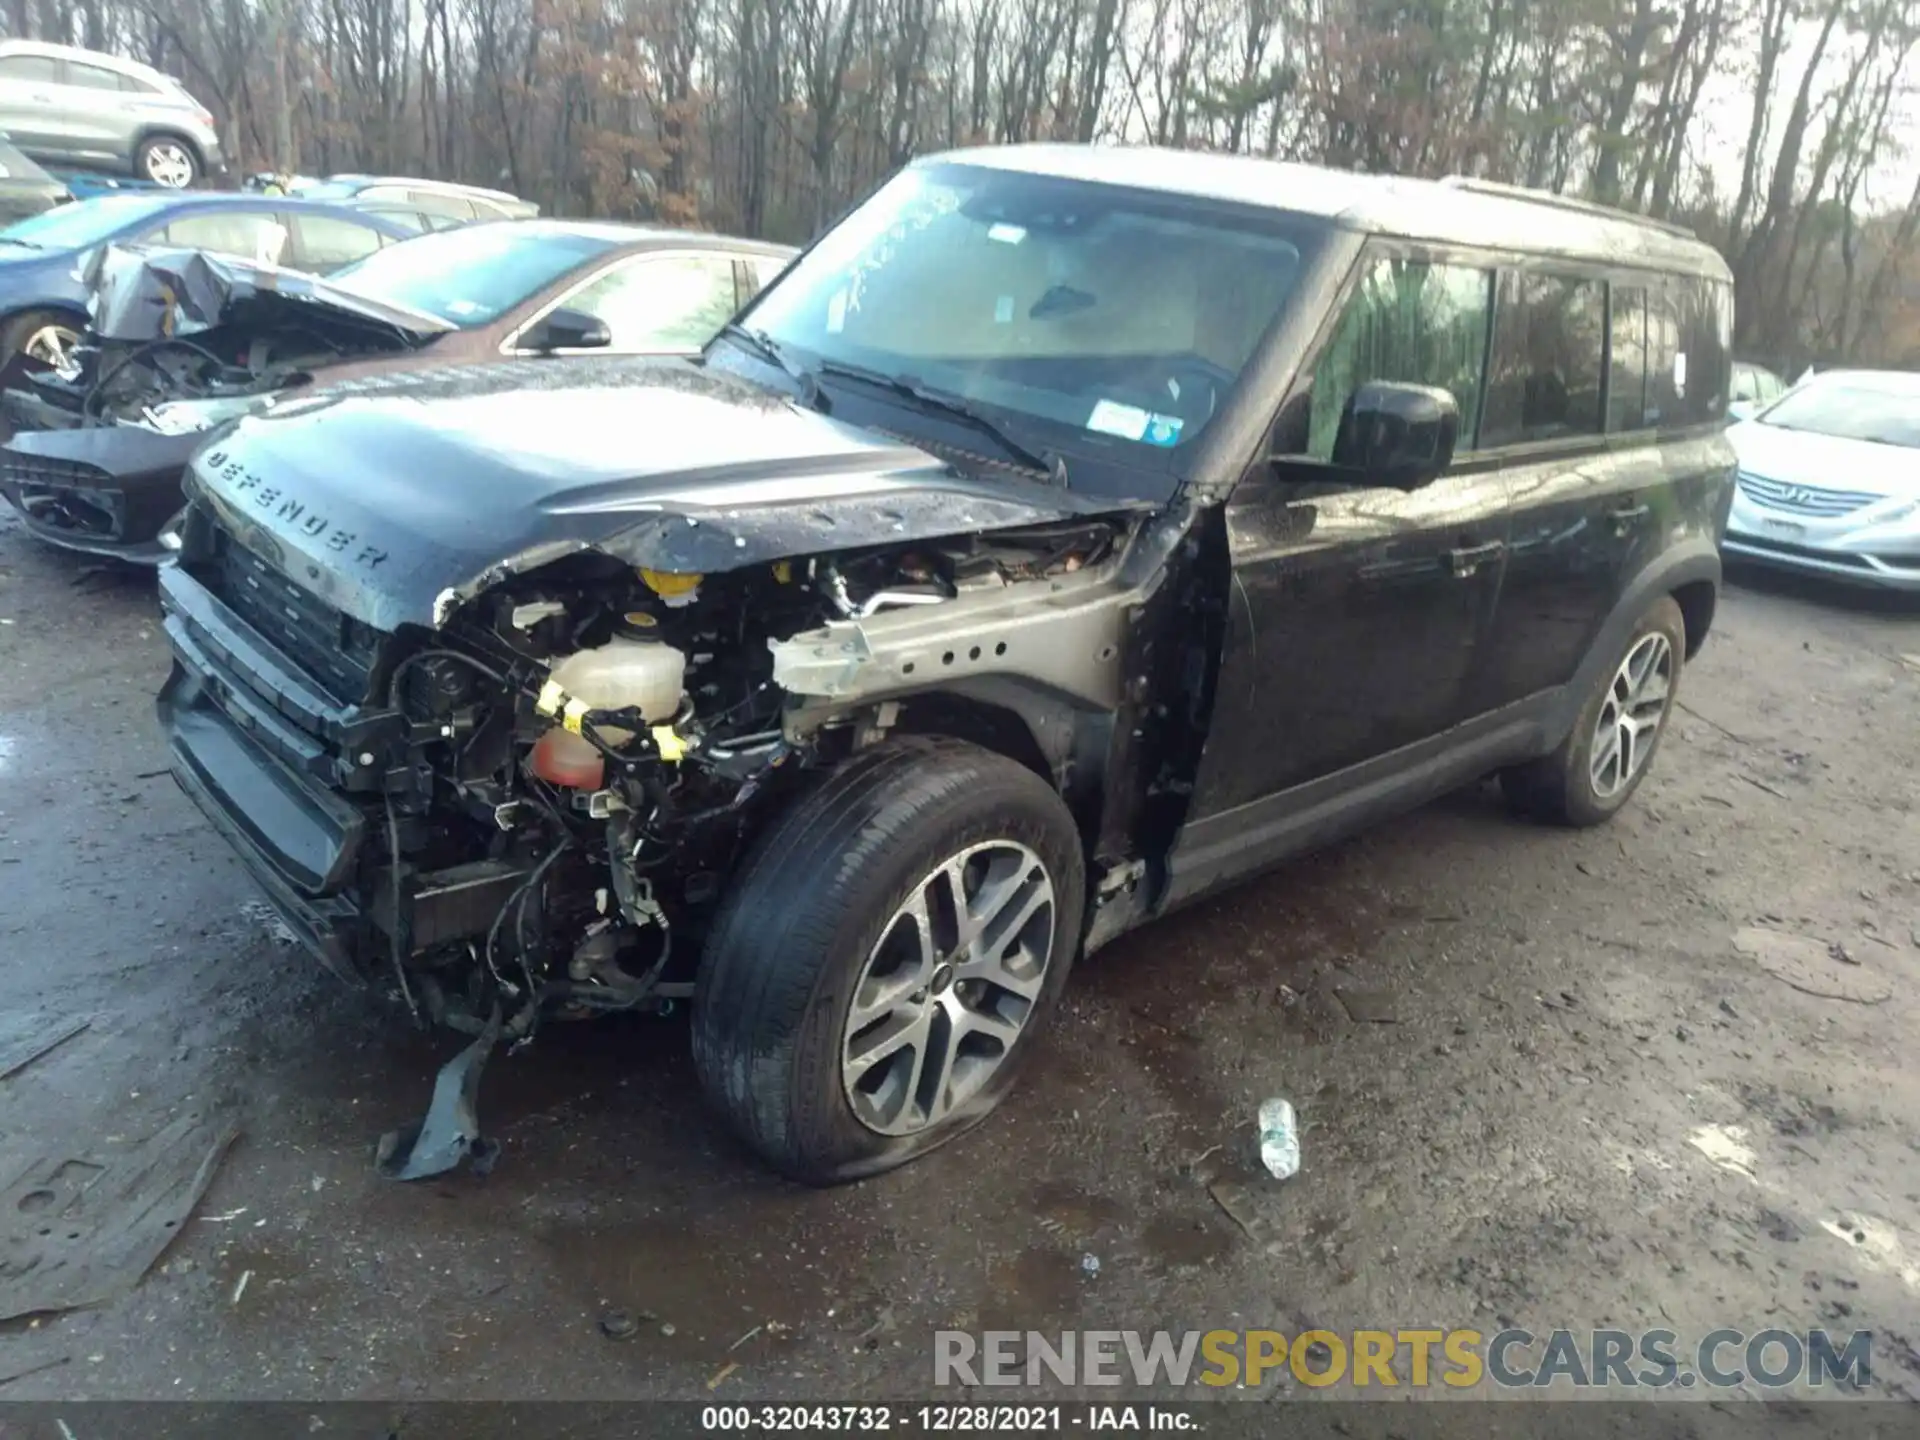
(1627, 516)
(1466, 559)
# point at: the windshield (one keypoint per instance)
(1107, 314)
(473, 274)
(1853, 407)
(83, 223)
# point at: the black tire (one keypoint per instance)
(805, 913)
(19, 329)
(1558, 788)
(144, 159)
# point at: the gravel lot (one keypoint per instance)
(1579, 1089)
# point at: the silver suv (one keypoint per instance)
(80, 107)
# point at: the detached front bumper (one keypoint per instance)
(289, 778)
(1856, 538)
(249, 769)
(104, 490)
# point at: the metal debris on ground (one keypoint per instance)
(1090, 1265)
(25, 1040)
(450, 1131)
(79, 1228)
(1279, 1138)
(618, 1325)
(721, 1374)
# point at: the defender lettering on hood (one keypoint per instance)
(393, 501)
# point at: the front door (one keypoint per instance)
(29, 113)
(1358, 610)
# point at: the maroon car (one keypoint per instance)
(183, 341)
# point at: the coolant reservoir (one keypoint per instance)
(624, 672)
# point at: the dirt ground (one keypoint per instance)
(1579, 1090)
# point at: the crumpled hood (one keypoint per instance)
(397, 497)
(147, 292)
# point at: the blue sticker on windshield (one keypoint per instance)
(1162, 430)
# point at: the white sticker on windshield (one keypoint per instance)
(462, 307)
(1006, 234)
(1110, 417)
(837, 312)
(1003, 310)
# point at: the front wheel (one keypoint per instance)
(885, 956)
(47, 335)
(1602, 762)
(167, 160)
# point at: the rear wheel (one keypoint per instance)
(47, 335)
(1602, 762)
(885, 956)
(167, 160)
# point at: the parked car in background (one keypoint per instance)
(81, 107)
(183, 344)
(1754, 387)
(441, 201)
(1067, 533)
(1830, 479)
(26, 189)
(43, 292)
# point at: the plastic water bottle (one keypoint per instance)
(1279, 1139)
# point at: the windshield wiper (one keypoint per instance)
(23, 244)
(768, 348)
(953, 407)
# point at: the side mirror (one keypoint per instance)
(1742, 410)
(1397, 434)
(565, 329)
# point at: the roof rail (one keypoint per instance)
(1563, 202)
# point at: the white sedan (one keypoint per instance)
(1830, 480)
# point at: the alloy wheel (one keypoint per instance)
(169, 164)
(947, 990)
(1631, 715)
(54, 345)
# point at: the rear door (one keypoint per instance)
(99, 109)
(1359, 610)
(1595, 474)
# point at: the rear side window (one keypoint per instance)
(92, 77)
(326, 242)
(1410, 321)
(1548, 348)
(1707, 320)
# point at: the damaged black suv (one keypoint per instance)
(1068, 533)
